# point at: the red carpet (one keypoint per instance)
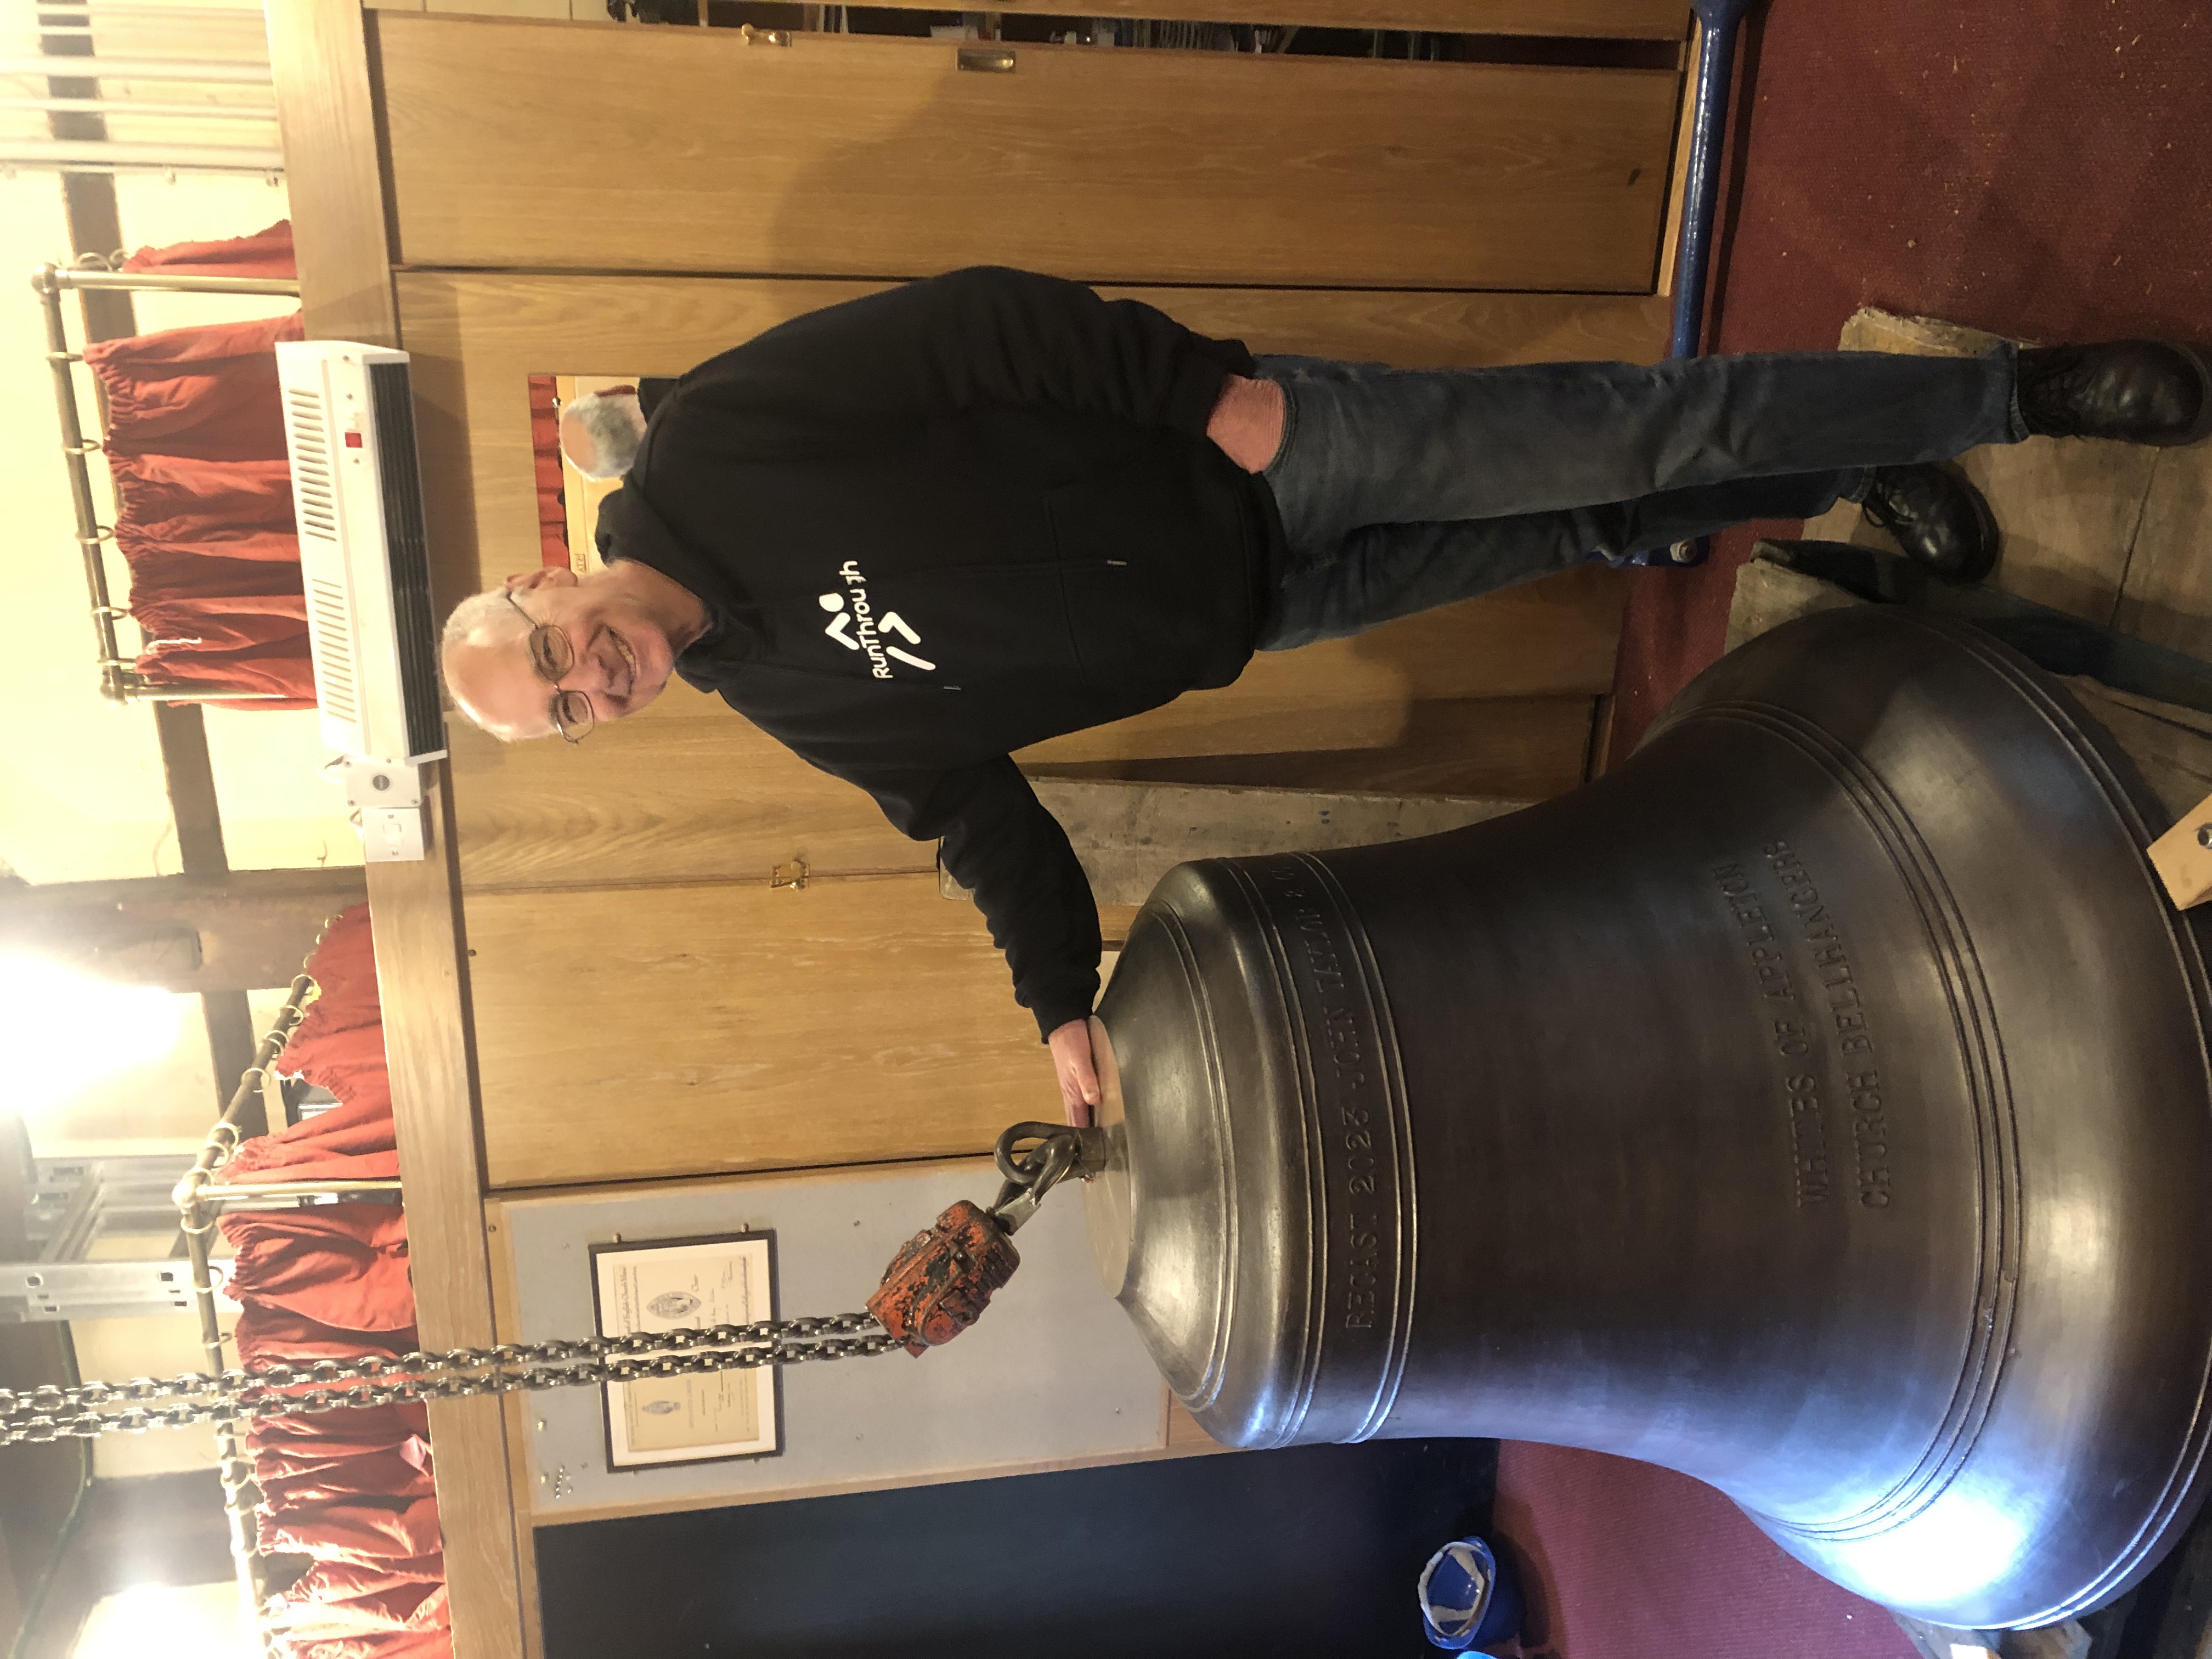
(2034, 167)
(1621, 1560)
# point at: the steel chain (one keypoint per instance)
(43, 1415)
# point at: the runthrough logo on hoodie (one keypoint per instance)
(858, 629)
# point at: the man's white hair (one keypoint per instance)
(481, 618)
(615, 423)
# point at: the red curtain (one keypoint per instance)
(350, 1613)
(343, 1265)
(195, 445)
(364, 1530)
(236, 510)
(288, 1444)
(350, 1142)
(545, 449)
(265, 253)
(352, 1489)
(207, 393)
(339, 1046)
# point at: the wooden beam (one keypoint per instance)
(318, 57)
(189, 775)
(422, 981)
(95, 222)
(242, 931)
(232, 1042)
(321, 53)
(89, 205)
(197, 814)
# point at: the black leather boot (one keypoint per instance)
(2138, 391)
(1938, 519)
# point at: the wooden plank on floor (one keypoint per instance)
(2167, 596)
(2170, 746)
(1767, 595)
(2070, 509)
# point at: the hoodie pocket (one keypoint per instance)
(1141, 601)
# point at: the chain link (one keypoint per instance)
(43, 1415)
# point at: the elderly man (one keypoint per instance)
(600, 431)
(912, 533)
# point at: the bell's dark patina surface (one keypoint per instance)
(1818, 1104)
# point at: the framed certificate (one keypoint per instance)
(666, 1285)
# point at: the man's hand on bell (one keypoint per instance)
(1079, 1077)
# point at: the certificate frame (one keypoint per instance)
(669, 1284)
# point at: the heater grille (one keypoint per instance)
(312, 493)
(333, 653)
(407, 548)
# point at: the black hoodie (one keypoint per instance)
(941, 523)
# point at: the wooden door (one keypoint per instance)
(690, 1028)
(586, 146)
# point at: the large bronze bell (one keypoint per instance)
(1818, 1104)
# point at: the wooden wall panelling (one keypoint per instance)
(711, 799)
(1613, 20)
(446, 438)
(876, 157)
(1424, 329)
(629, 1033)
(1520, 747)
(476, 339)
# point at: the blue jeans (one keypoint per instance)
(1402, 489)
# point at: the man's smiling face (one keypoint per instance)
(622, 655)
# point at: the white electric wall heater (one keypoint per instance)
(357, 493)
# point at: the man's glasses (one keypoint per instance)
(552, 657)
